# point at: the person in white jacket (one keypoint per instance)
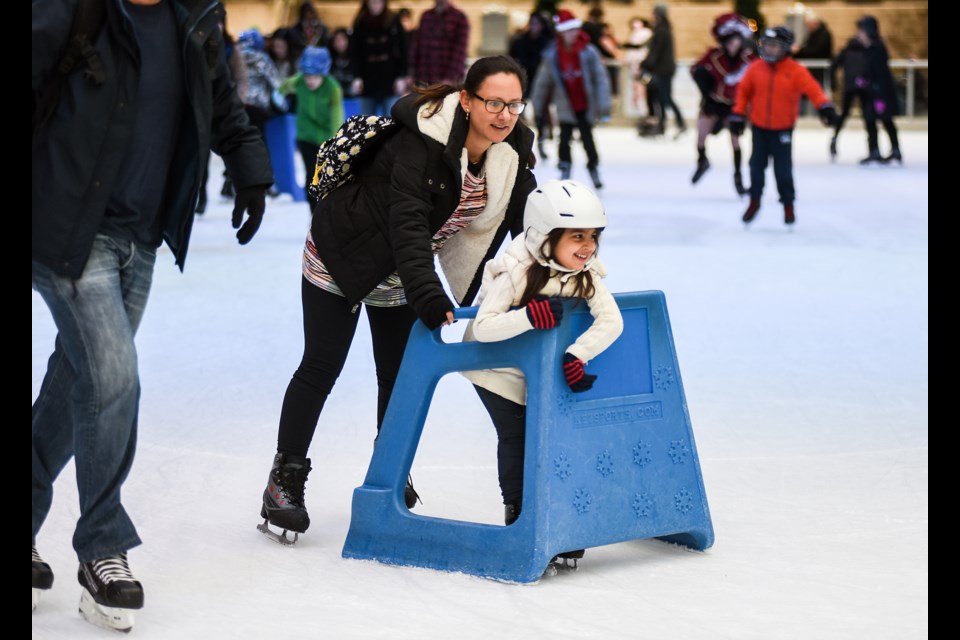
(555, 257)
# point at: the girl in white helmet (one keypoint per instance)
(555, 257)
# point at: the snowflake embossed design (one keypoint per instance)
(678, 451)
(562, 467)
(641, 454)
(582, 500)
(605, 463)
(642, 505)
(565, 403)
(663, 377)
(683, 501)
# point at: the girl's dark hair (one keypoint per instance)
(476, 74)
(538, 275)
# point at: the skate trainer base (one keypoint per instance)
(615, 463)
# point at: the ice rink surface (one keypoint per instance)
(804, 358)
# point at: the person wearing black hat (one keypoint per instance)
(881, 103)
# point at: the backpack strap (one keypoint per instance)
(87, 22)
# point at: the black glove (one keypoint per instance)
(736, 123)
(828, 116)
(252, 200)
(578, 379)
(544, 312)
(434, 312)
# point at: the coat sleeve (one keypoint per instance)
(811, 88)
(52, 20)
(233, 138)
(410, 235)
(606, 328)
(495, 320)
(542, 85)
(601, 83)
(745, 91)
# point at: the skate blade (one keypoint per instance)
(111, 618)
(280, 538)
(36, 598)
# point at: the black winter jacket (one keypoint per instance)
(77, 154)
(662, 60)
(384, 220)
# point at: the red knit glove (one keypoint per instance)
(578, 379)
(544, 312)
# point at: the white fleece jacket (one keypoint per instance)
(504, 280)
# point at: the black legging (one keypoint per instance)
(663, 96)
(586, 137)
(870, 118)
(329, 323)
(510, 420)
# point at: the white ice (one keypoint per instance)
(803, 354)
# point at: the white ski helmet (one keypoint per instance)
(560, 204)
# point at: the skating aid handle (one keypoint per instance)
(465, 313)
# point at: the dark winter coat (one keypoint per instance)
(384, 220)
(77, 155)
(853, 60)
(661, 61)
(379, 53)
(528, 51)
(882, 85)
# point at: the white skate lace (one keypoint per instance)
(112, 569)
(36, 556)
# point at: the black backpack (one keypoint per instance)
(87, 22)
(340, 156)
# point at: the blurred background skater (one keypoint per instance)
(527, 49)
(770, 94)
(572, 77)
(817, 45)
(881, 93)
(308, 31)
(717, 74)
(658, 68)
(341, 62)
(635, 50)
(379, 51)
(319, 106)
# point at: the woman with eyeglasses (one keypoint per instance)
(452, 181)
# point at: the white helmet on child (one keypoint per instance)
(560, 204)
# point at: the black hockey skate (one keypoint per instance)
(738, 184)
(565, 170)
(595, 176)
(873, 159)
(833, 149)
(110, 593)
(566, 561)
(702, 165)
(410, 495)
(752, 209)
(894, 156)
(42, 577)
(283, 501)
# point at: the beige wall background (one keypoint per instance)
(903, 23)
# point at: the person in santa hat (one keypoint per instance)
(572, 77)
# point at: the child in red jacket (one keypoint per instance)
(770, 94)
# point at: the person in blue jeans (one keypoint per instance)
(117, 165)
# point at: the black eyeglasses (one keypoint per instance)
(497, 106)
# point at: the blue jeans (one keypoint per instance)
(377, 106)
(88, 402)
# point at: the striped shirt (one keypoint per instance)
(389, 293)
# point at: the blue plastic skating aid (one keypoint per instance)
(281, 137)
(617, 462)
